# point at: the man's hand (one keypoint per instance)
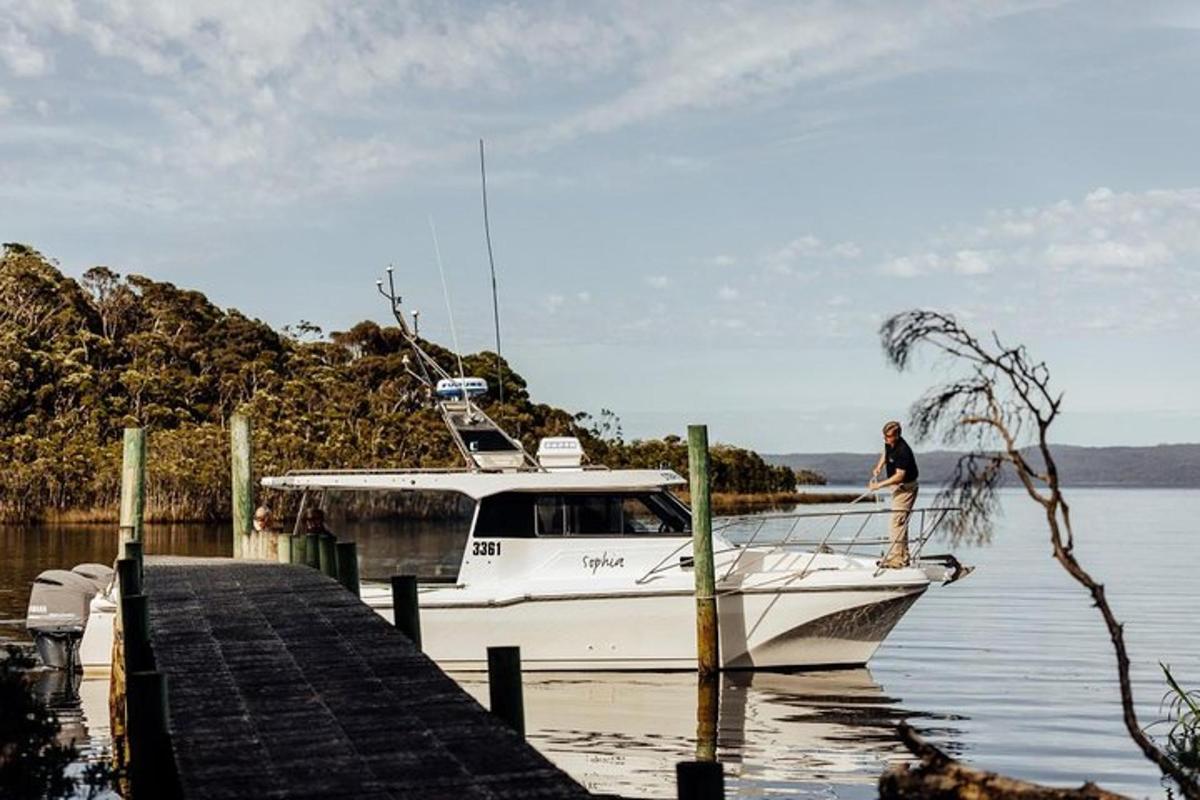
(872, 484)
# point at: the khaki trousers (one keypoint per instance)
(904, 497)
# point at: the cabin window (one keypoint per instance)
(509, 514)
(485, 441)
(524, 515)
(608, 515)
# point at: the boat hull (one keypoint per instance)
(790, 627)
(657, 631)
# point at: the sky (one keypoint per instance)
(700, 213)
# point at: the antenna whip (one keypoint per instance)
(487, 232)
(437, 251)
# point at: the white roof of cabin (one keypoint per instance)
(480, 484)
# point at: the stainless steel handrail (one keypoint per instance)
(925, 531)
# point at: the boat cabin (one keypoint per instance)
(523, 512)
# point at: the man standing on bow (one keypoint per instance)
(901, 473)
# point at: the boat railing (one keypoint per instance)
(927, 521)
(428, 470)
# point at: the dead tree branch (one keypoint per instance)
(1006, 399)
(937, 776)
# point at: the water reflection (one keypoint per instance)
(803, 733)
(28, 550)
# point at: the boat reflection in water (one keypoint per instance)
(818, 734)
(81, 707)
(826, 733)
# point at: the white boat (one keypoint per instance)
(590, 569)
(587, 568)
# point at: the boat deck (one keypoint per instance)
(281, 684)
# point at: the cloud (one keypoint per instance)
(1105, 255)
(1108, 260)
(266, 102)
(911, 266)
(22, 58)
(658, 281)
(727, 293)
(1102, 233)
(736, 52)
(971, 262)
(807, 252)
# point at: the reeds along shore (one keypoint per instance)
(737, 502)
(419, 507)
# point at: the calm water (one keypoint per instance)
(1011, 668)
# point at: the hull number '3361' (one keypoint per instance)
(485, 548)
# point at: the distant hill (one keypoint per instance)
(1164, 465)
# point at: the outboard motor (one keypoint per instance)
(58, 612)
(100, 575)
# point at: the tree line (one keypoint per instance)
(82, 359)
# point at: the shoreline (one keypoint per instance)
(722, 503)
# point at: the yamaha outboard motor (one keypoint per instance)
(58, 610)
(100, 575)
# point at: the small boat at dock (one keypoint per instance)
(589, 568)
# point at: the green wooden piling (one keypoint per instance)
(504, 686)
(707, 652)
(299, 549)
(129, 575)
(242, 464)
(708, 709)
(283, 548)
(152, 772)
(312, 550)
(135, 627)
(133, 486)
(327, 555)
(699, 780)
(406, 612)
(347, 566)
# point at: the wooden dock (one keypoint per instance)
(282, 684)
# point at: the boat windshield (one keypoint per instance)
(527, 514)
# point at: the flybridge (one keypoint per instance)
(478, 484)
(483, 444)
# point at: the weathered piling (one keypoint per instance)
(129, 575)
(299, 549)
(327, 555)
(136, 551)
(406, 612)
(312, 550)
(707, 652)
(700, 780)
(504, 686)
(151, 761)
(708, 704)
(133, 486)
(283, 551)
(242, 473)
(135, 621)
(347, 566)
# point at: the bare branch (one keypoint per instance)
(1003, 397)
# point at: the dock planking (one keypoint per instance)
(281, 684)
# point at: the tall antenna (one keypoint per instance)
(487, 232)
